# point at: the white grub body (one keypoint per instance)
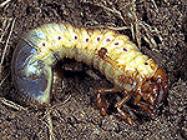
(113, 54)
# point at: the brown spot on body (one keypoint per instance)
(59, 37)
(43, 44)
(108, 39)
(102, 52)
(122, 78)
(124, 49)
(116, 43)
(126, 79)
(87, 39)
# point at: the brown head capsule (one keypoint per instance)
(154, 90)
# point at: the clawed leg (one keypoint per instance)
(127, 115)
(147, 108)
(101, 101)
(143, 106)
(102, 104)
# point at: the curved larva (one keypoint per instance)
(113, 54)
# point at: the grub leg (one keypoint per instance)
(101, 101)
(147, 108)
(127, 115)
(144, 107)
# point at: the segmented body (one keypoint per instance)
(113, 54)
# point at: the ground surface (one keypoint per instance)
(74, 115)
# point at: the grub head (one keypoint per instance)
(154, 90)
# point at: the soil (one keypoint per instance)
(73, 114)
